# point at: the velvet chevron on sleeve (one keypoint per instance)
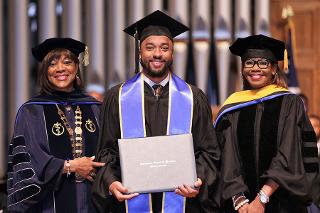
(37, 155)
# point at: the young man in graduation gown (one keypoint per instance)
(269, 155)
(156, 90)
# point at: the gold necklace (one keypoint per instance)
(75, 136)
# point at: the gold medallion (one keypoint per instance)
(57, 129)
(90, 126)
(78, 130)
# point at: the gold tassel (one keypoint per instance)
(285, 61)
(85, 60)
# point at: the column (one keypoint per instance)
(262, 17)
(47, 19)
(178, 9)
(136, 13)
(243, 18)
(71, 19)
(201, 37)
(243, 28)
(18, 55)
(154, 5)
(95, 38)
(117, 56)
(223, 36)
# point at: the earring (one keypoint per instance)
(78, 80)
(241, 76)
(275, 76)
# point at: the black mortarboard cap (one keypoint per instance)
(157, 18)
(156, 23)
(256, 46)
(41, 50)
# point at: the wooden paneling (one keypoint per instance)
(307, 24)
(306, 80)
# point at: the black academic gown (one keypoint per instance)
(207, 152)
(269, 140)
(36, 156)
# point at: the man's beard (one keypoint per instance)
(156, 73)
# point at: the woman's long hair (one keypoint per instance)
(279, 78)
(46, 86)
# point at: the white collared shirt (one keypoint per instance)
(151, 83)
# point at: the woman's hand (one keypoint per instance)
(187, 191)
(244, 208)
(85, 166)
(256, 206)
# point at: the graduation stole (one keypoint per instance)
(132, 125)
(250, 97)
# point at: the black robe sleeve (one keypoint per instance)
(207, 151)
(107, 151)
(32, 171)
(295, 166)
(231, 181)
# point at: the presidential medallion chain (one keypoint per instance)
(74, 135)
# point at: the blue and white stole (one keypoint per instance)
(132, 125)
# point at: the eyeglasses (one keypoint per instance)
(262, 63)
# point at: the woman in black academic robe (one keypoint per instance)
(51, 155)
(269, 156)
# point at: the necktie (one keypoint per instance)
(157, 90)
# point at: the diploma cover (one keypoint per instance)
(157, 164)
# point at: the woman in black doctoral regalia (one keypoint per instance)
(51, 164)
(269, 155)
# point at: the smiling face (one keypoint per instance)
(258, 72)
(156, 56)
(62, 73)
